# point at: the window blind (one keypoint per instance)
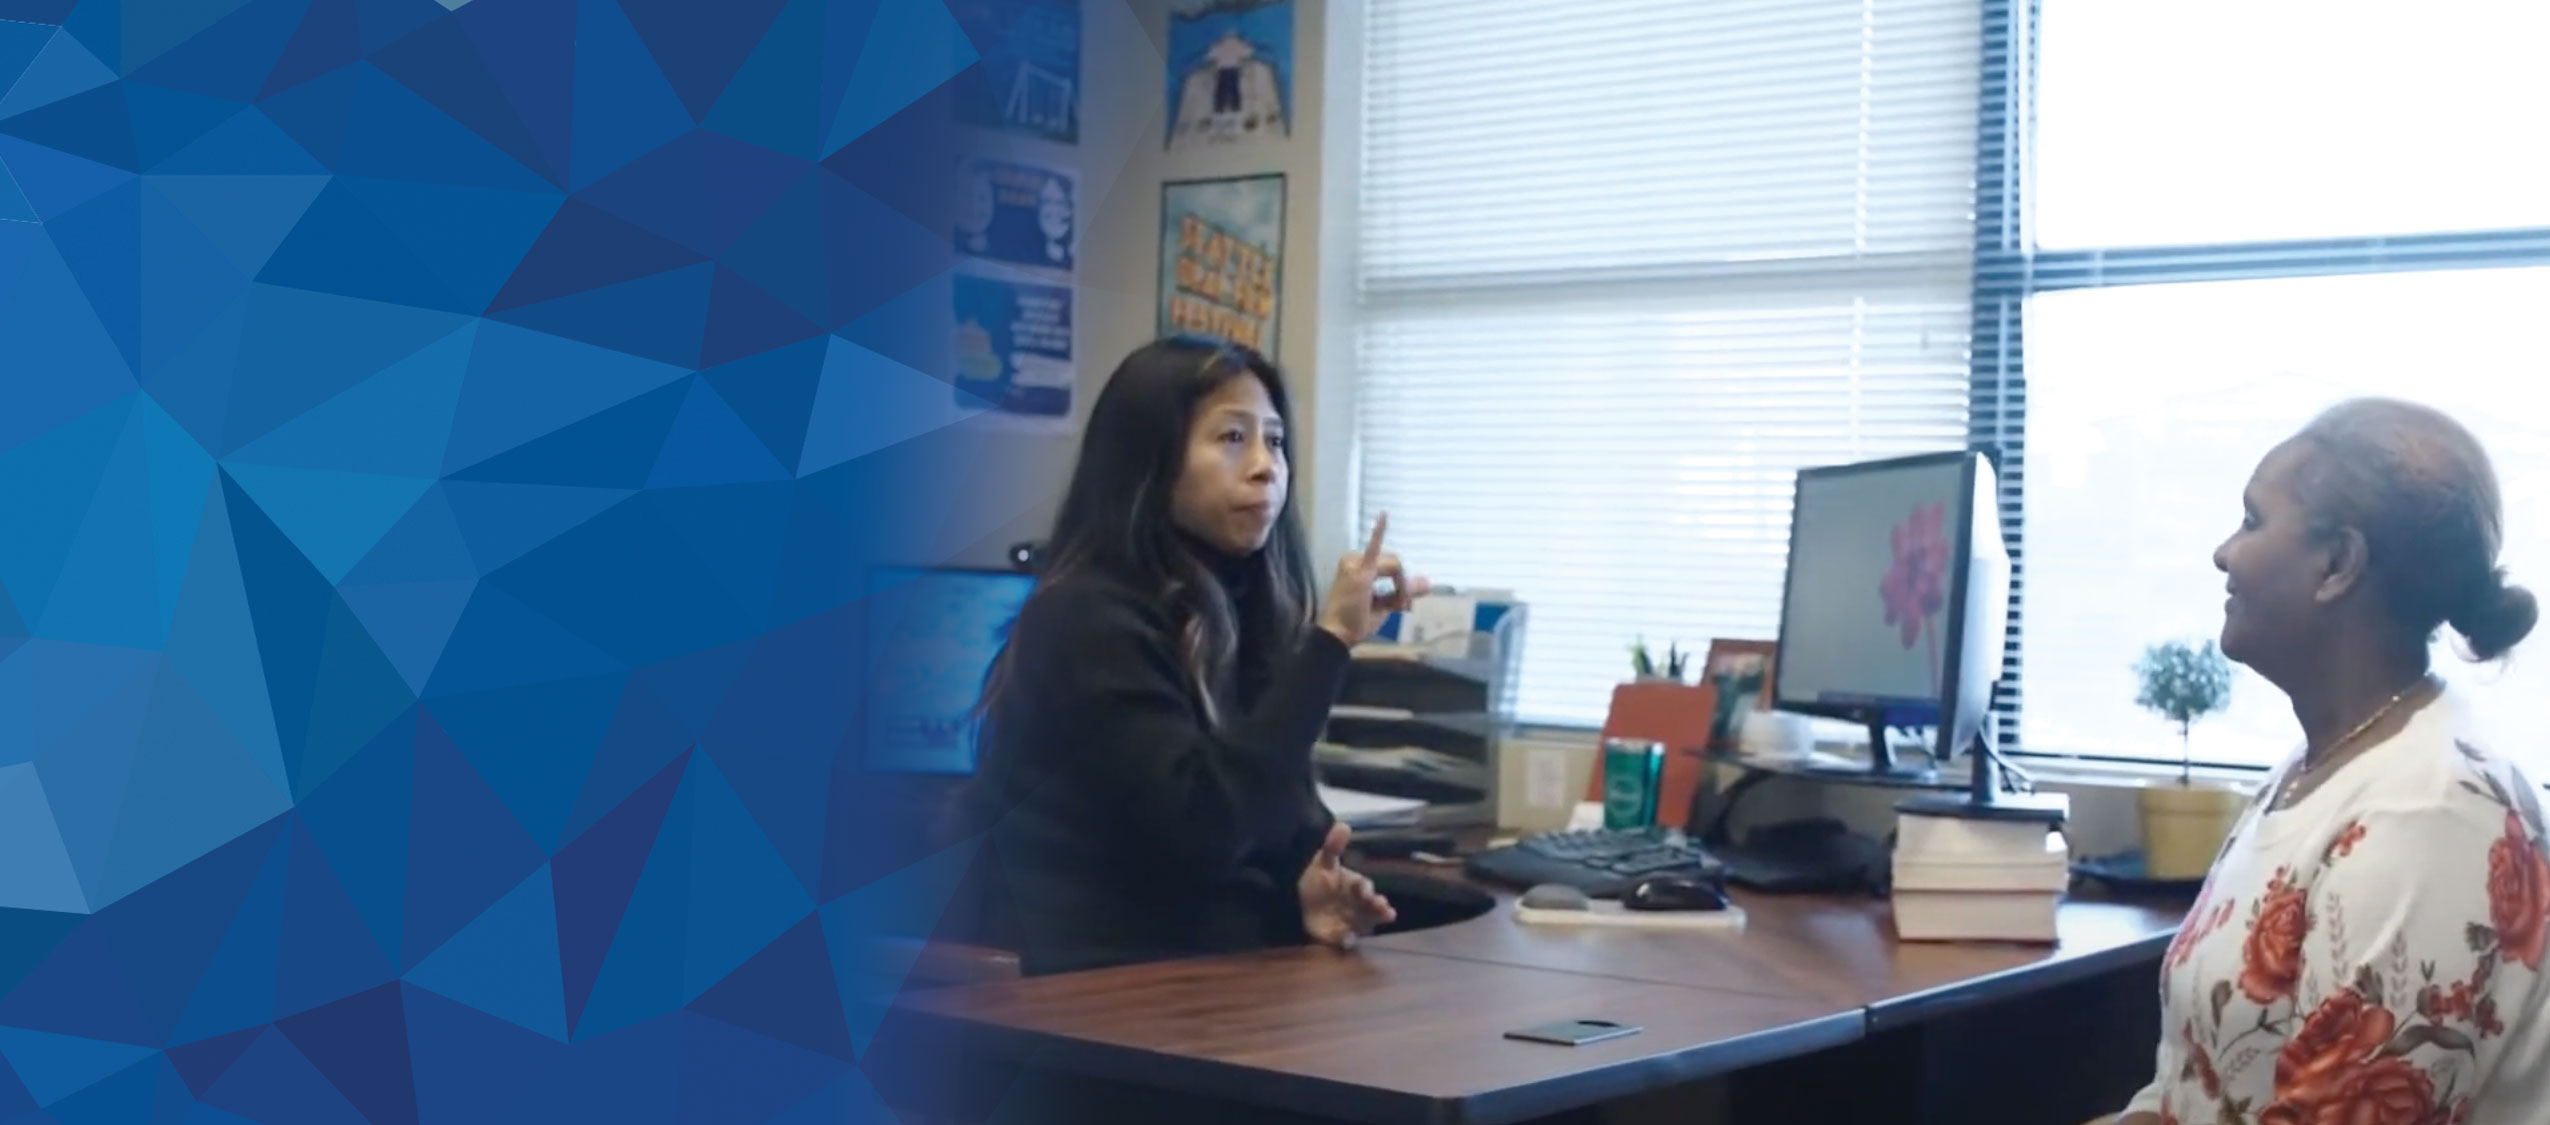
(1624, 267)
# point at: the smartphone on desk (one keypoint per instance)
(1574, 1033)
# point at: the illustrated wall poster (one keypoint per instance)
(1230, 71)
(1221, 259)
(1017, 213)
(1029, 78)
(1013, 348)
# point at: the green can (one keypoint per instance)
(1633, 770)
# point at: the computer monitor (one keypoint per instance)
(932, 636)
(1896, 602)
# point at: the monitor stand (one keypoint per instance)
(1882, 760)
(1882, 768)
(2051, 808)
(1984, 800)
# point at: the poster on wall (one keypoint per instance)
(1221, 259)
(1017, 213)
(1230, 71)
(1013, 349)
(1028, 80)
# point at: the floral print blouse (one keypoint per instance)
(2370, 956)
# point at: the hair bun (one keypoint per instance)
(2498, 619)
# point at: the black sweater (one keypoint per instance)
(1129, 828)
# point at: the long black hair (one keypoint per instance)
(1115, 521)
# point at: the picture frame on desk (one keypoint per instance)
(1740, 671)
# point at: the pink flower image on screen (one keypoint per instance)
(1915, 587)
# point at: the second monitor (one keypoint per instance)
(932, 637)
(1896, 601)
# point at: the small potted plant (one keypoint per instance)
(2184, 824)
(1642, 663)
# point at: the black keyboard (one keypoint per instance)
(1600, 863)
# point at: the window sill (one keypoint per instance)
(2088, 774)
(2045, 769)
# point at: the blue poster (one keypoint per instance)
(1017, 214)
(1222, 259)
(1230, 71)
(1013, 347)
(1029, 78)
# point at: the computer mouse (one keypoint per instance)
(1673, 892)
(1557, 896)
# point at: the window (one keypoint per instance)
(1624, 266)
(2149, 406)
(2195, 121)
(2316, 203)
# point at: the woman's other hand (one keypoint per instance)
(1339, 905)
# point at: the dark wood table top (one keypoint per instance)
(1379, 1035)
(1836, 949)
(1410, 1027)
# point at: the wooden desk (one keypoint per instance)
(1837, 949)
(1379, 1036)
(1409, 1028)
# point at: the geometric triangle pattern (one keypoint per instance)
(442, 447)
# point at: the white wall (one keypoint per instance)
(1122, 161)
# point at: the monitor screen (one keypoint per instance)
(932, 635)
(1874, 562)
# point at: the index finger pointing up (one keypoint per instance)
(1372, 546)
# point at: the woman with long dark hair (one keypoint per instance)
(1148, 728)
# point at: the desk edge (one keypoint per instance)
(1928, 1004)
(1328, 1097)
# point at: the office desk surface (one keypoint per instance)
(1381, 1036)
(1410, 1027)
(1836, 949)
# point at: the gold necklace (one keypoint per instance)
(2302, 769)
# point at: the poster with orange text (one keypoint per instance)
(1221, 259)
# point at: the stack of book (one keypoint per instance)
(1964, 879)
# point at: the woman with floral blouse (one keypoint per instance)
(2368, 947)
